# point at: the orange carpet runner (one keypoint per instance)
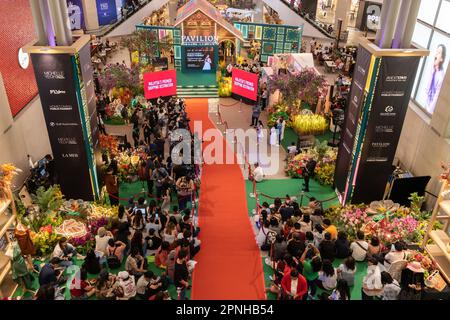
(229, 262)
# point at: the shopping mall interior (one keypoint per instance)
(225, 150)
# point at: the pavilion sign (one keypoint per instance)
(200, 40)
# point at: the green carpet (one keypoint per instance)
(279, 188)
(196, 79)
(115, 122)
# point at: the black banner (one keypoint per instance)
(55, 79)
(352, 118)
(392, 95)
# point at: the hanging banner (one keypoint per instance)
(385, 122)
(57, 89)
(352, 118)
(76, 16)
(245, 84)
(106, 12)
(160, 84)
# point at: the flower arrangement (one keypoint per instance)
(129, 163)
(7, 174)
(96, 224)
(353, 220)
(401, 224)
(225, 86)
(102, 212)
(109, 144)
(325, 173)
(306, 86)
(83, 243)
(72, 228)
(121, 80)
(45, 242)
(309, 124)
(294, 168)
(326, 163)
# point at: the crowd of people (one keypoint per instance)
(148, 230)
(302, 245)
(252, 66)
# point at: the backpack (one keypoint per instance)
(113, 261)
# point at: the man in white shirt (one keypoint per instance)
(258, 173)
(143, 282)
(395, 255)
(292, 149)
(359, 247)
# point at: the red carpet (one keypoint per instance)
(229, 263)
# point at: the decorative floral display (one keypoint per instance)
(129, 164)
(325, 167)
(225, 86)
(400, 223)
(124, 80)
(102, 212)
(309, 124)
(109, 144)
(71, 229)
(7, 173)
(306, 86)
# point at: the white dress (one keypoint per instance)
(207, 65)
(273, 137)
(259, 133)
(283, 127)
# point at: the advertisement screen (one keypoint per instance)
(160, 84)
(200, 58)
(75, 9)
(434, 72)
(372, 15)
(245, 84)
(106, 11)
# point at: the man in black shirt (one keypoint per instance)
(308, 173)
(327, 248)
(296, 246)
(181, 274)
(48, 274)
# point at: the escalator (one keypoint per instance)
(291, 17)
(128, 25)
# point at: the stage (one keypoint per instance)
(196, 84)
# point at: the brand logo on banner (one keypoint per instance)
(160, 84)
(245, 84)
(57, 92)
(196, 40)
(67, 140)
(54, 75)
(60, 107)
(106, 11)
